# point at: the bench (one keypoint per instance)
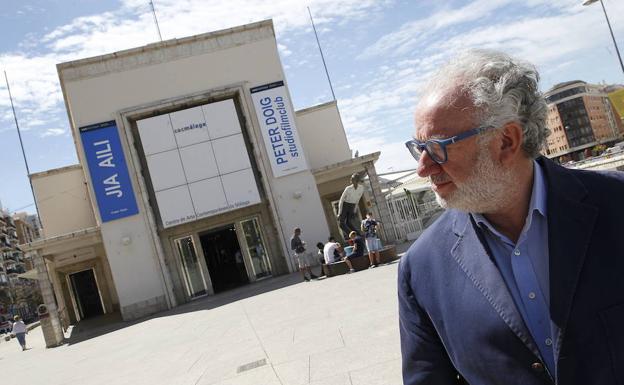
(387, 254)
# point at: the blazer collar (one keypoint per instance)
(570, 227)
(472, 254)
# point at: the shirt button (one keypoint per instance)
(548, 342)
(532, 295)
(538, 367)
(516, 252)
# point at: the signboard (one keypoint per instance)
(277, 123)
(198, 162)
(108, 170)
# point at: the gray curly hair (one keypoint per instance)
(502, 88)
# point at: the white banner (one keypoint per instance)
(198, 162)
(279, 131)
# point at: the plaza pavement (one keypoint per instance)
(340, 331)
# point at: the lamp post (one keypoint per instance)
(589, 2)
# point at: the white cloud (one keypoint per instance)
(283, 50)
(32, 72)
(54, 132)
(426, 31)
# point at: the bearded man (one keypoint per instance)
(521, 280)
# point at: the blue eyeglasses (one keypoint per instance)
(436, 148)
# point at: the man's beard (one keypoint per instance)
(486, 190)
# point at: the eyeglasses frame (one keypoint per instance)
(413, 145)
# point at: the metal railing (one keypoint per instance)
(409, 217)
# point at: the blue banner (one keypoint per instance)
(109, 173)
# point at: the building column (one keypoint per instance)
(50, 322)
(381, 203)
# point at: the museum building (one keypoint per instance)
(194, 170)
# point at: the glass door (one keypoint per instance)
(256, 248)
(191, 269)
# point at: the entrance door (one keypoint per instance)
(255, 247)
(191, 269)
(224, 258)
(86, 294)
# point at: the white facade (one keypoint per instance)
(190, 117)
(164, 77)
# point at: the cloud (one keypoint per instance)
(283, 50)
(32, 71)
(376, 98)
(447, 23)
(54, 132)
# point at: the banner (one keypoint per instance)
(198, 162)
(108, 170)
(279, 131)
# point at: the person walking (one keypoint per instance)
(20, 331)
(301, 257)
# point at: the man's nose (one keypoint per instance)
(426, 166)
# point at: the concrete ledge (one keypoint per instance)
(144, 308)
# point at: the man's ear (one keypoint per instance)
(510, 142)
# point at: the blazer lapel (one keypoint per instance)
(474, 260)
(570, 227)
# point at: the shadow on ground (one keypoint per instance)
(98, 326)
(95, 327)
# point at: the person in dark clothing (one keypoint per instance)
(320, 256)
(358, 249)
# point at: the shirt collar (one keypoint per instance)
(537, 202)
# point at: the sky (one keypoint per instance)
(378, 53)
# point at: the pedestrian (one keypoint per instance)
(301, 256)
(20, 331)
(373, 244)
(347, 205)
(320, 257)
(520, 281)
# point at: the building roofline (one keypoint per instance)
(165, 44)
(55, 171)
(321, 106)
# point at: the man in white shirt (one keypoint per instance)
(331, 249)
(19, 329)
(347, 205)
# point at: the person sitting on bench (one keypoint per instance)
(332, 251)
(358, 249)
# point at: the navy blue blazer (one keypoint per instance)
(458, 317)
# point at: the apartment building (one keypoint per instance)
(580, 117)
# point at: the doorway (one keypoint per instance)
(86, 294)
(224, 258)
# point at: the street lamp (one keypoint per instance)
(589, 2)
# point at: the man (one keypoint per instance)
(358, 250)
(332, 251)
(347, 205)
(301, 256)
(373, 244)
(521, 280)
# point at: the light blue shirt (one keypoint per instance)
(524, 267)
